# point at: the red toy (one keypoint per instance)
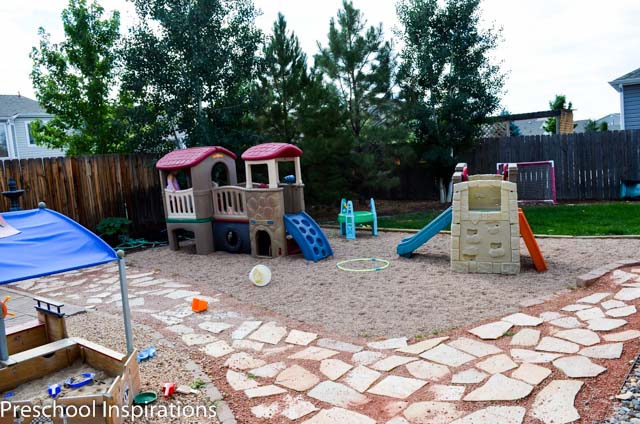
(168, 389)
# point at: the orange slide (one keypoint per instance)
(531, 243)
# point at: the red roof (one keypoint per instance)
(188, 158)
(271, 151)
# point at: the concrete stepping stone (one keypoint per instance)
(427, 371)
(575, 308)
(338, 345)
(418, 348)
(432, 412)
(531, 373)
(589, 314)
(500, 387)
(523, 320)
(396, 343)
(447, 393)
(217, 349)
(470, 376)
(611, 304)
(391, 362)
(264, 391)
(474, 347)
(497, 364)
(397, 387)
(533, 357)
(265, 411)
(625, 311)
(491, 331)
(628, 293)
(394, 408)
(579, 335)
(239, 381)
(247, 345)
(361, 378)
(595, 298)
(495, 415)
(366, 357)
(333, 369)
(339, 415)
(180, 329)
(526, 337)
(245, 329)
(269, 333)
(314, 353)
(179, 294)
(297, 378)
(337, 394)
(578, 367)
(140, 275)
(603, 351)
(296, 407)
(243, 361)
(605, 324)
(550, 316)
(552, 344)
(398, 420)
(300, 338)
(214, 327)
(447, 355)
(622, 336)
(555, 403)
(621, 277)
(269, 370)
(169, 320)
(566, 322)
(93, 301)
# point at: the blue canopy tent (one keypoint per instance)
(46, 243)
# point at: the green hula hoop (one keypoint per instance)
(385, 265)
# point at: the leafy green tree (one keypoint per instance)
(592, 126)
(558, 103)
(74, 81)
(190, 66)
(448, 81)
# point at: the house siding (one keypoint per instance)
(26, 150)
(631, 106)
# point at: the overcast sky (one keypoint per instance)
(571, 47)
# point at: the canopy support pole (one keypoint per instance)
(4, 348)
(126, 312)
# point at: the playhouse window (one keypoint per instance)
(263, 243)
(220, 174)
(485, 198)
(285, 168)
(260, 174)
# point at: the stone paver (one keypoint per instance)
(566, 322)
(314, 353)
(492, 330)
(247, 345)
(398, 420)
(338, 345)
(397, 387)
(240, 381)
(265, 411)
(605, 324)
(198, 339)
(179, 294)
(217, 349)
(575, 307)
(603, 351)
(339, 415)
(625, 311)
(495, 415)
(470, 376)
(552, 344)
(269, 333)
(245, 329)
(418, 348)
(497, 364)
(337, 394)
(611, 304)
(447, 355)
(269, 370)
(622, 336)
(297, 407)
(427, 370)
(214, 327)
(432, 412)
(500, 387)
(533, 357)
(446, 393)
(628, 293)
(366, 357)
(243, 361)
(523, 320)
(551, 316)
(474, 347)
(531, 373)
(578, 367)
(297, 378)
(595, 298)
(301, 338)
(554, 403)
(395, 343)
(264, 391)
(589, 314)
(334, 368)
(361, 378)
(579, 335)
(526, 337)
(391, 362)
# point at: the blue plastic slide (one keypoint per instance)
(307, 233)
(408, 245)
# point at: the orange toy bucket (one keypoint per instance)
(199, 305)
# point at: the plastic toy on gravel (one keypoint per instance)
(260, 275)
(348, 219)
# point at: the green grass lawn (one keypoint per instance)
(594, 219)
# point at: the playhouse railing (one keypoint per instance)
(180, 204)
(229, 203)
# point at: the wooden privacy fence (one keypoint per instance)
(90, 188)
(588, 166)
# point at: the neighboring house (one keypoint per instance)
(629, 88)
(612, 120)
(16, 115)
(531, 126)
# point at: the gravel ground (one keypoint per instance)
(411, 297)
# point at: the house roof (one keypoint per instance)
(188, 158)
(11, 105)
(612, 120)
(632, 77)
(271, 151)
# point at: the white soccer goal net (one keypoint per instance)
(536, 181)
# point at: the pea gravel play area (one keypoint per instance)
(417, 296)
